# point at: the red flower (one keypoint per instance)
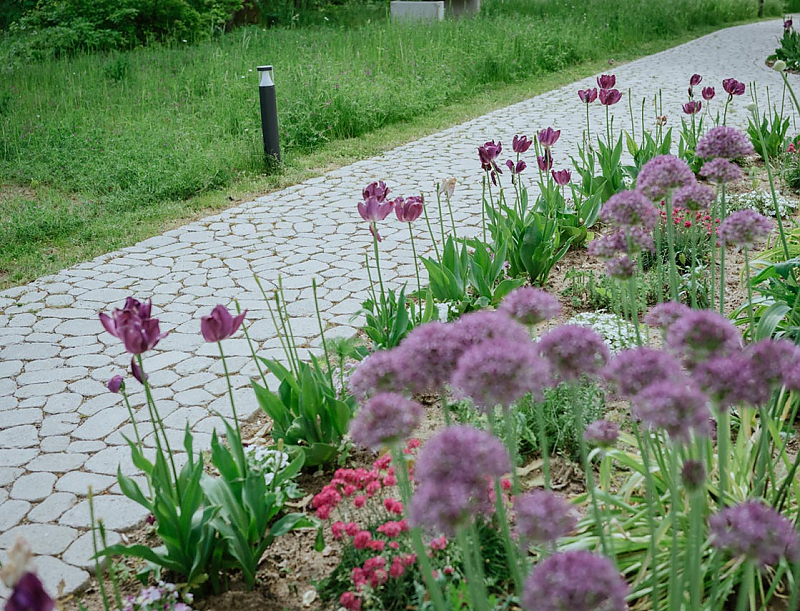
(362, 539)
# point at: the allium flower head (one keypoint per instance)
(730, 380)
(629, 209)
(430, 354)
(631, 371)
(609, 97)
(575, 581)
(692, 107)
(378, 190)
(408, 209)
(621, 268)
(521, 144)
(661, 175)
(725, 142)
(708, 93)
(385, 419)
(529, 305)
(29, 595)
(548, 137)
(587, 96)
(476, 327)
(543, 517)
(699, 335)
(601, 433)
(663, 315)
(743, 228)
(755, 531)
(562, 177)
(573, 350)
(453, 473)
(630, 242)
(771, 360)
(381, 371)
(721, 171)
(693, 475)
(675, 408)
(606, 81)
(220, 324)
(693, 197)
(499, 372)
(733, 87)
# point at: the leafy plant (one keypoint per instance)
(789, 51)
(600, 169)
(777, 308)
(388, 318)
(449, 277)
(772, 129)
(650, 146)
(486, 270)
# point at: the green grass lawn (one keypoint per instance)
(100, 151)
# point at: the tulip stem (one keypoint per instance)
(230, 390)
(378, 267)
(416, 270)
(133, 420)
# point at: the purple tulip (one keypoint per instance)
(137, 372)
(708, 93)
(606, 81)
(372, 211)
(548, 137)
(787, 25)
(588, 96)
(409, 209)
(545, 161)
(695, 80)
(521, 144)
(692, 107)
(609, 97)
(517, 168)
(220, 324)
(378, 190)
(733, 87)
(133, 309)
(488, 153)
(562, 177)
(115, 384)
(133, 326)
(29, 595)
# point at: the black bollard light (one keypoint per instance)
(269, 113)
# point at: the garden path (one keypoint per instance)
(61, 430)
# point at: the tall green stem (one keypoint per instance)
(378, 267)
(673, 271)
(722, 215)
(416, 268)
(750, 313)
(474, 581)
(156, 417)
(230, 390)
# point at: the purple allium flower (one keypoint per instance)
(385, 419)
(381, 371)
(693, 475)
(771, 360)
(693, 197)
(545, 161)
(755, 531)
(477, 327)
(725, 142)
(587, 96)
(601, 433)
(609, 97)
(606, 81)
(730, 380)
(575, 581)
(529, 306)
(562, 177)
(543, 517)
(521, 144)
(133, 325)
(517, 168)
(454, 471)
(408, 209)
(663, 315)
(673, 407)
(430, 354)
(699, 335)
(488, 153)
(499, 372)
(621, 268)
(116, 384)
(378, 190)
(721, 171)
(548, 137)
(573, 350)
(29, 595)
(631, 371)
(692, 107)
(743, 228)
(634, 240)
(708, 93)
(220, 324)
(629, 209)
(733, 87)
(695, 80)
(663, 174)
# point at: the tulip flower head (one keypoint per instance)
(588, 96)
(521, 144)
(733, 87)
(609, 97)
(548, 137)
(220, 324)
(134, 326)
(692, 107)
(606, 81)
(709, 93)
(562, 177)
(408, 209)
(372, 211)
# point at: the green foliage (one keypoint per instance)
(775, 309)
(600, 169)
(789, 51)
(773, 131)
(650, 146)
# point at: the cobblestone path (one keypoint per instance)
(61, 430)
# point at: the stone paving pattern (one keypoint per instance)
(62, 431)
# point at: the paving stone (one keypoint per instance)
(43, 538)
(11, 512)
(63, 403)
(52, 507)
(79, 482)
(57, 443)
(57, 463)
(81, 552)
(9, 474)
(116, 512)
(33, 487)
(57, 575)
(21, 416)
(102, 424)
(15, 458)
(24, 436)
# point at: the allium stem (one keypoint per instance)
(475, 583)
(675, 578)
(673, 272)
(750, 313)
(651, 509)
(714, 210)
(401, 468)
(657, 234)
(515, 557)
(156, 418)
(722, 216)
(747, 588)
(101, 582)
(696, 517)
(543, 445)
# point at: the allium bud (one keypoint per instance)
(601, 433)
(779, 66)
(693, 475)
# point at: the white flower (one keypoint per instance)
(617, 332)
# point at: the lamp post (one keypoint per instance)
(269, 113)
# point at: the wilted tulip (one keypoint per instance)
(733, 87)
(447, 187)
(606, 81)
(548, 137)
(588, 96)
(488, 153)
(378, 190)
(562, 177)
(408, 209)
(609, 97)
(521, 144)
(545, 161)
(220, 324)
(137, 372)
(787, 25)
(29, 595)
(516, 169)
